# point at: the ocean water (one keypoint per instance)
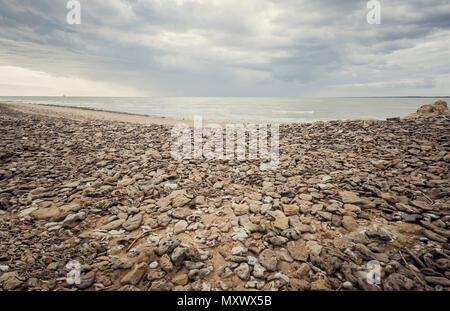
(252, 109)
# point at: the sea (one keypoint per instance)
(244, 110)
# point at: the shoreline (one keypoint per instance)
(90, 114)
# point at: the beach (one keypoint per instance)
(97, 194)
(91, 115)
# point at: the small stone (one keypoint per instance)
(241, 209)
(12, 283)
(258, 271)
(156, 155)
(180, 279)
(180, 227)
(166, 263)
(239, 250)
(268, 259)
(320, 285)
(113, 225)
(153, 265)
(243, 271)
(178, 255)
(281, 223)
(349, 197)
(347, 285)
(306, 197)
(298, 250)
(290, 209)
(349, 223)
(86, 280)
(74, 219)
(135, 275)
(180, 200)
(181, 213)
(133, 223)
(298, 285)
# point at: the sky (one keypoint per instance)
(225, 48)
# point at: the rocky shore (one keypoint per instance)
(109, 196)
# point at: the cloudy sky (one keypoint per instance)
(285, 48)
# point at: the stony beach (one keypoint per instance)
(107, 194)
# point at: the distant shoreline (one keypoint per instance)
(91, 114)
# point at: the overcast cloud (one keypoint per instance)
(225, 48)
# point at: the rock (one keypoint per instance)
(290, 209)
(193, 254)
(297, 250)
(268, 259)
(281, 223)
(167, 245)
(320, 285)
(347, 285)
(155, 275)
(306, 197)
(349, 223)
(180, 227)
(298, 285)
(156, 155)
(351, 208)
(391, 198)
(11, 282)
(166, 263)
(178, 255)
(133, 222)
(239, 251)
(113, 225)
(86, 280)
(161, 285)
(163, 220)
(74, 219)
(180, 200)
(26, 212)
(439, 107)
(336, 220)
(258, 271)
(241, 209)
(314, 248)
(349, 197)
(153, 265)
(199, 274)
(135, 275)
(243, 271)
(181, 213)
(180, 279)
(52, 213)
(245, 222)
(124, 182)
(435, 280)
(325, 215)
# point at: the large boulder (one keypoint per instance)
(439, 107)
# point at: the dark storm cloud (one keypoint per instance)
(234, 48)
